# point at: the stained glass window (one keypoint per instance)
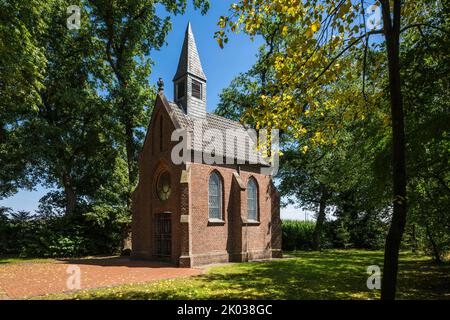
(215, 196)
(252, 200)
(163, 187)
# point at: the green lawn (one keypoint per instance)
(14, 259)
(11, 260)
(331, 274)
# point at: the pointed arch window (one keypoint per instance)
(252, 199)
(215, 197)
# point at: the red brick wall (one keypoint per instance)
(208, 237)
(216, 241)
(145, 200)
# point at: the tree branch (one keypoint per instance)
(354, 42)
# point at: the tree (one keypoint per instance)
(61, 134)
(425, 60)
(303, 179)
(22, 70)
(319, 37)
(72, 130)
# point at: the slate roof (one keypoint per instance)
(189, 61)
(242, 151)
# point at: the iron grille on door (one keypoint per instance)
(163, 237)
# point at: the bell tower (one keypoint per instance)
(189, 81)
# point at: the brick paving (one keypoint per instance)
(24, 280)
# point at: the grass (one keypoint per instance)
(331, 274)
(14, 260)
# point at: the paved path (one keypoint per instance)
(22, 280)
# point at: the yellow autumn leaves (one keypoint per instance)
(313, 28)
(312, 33)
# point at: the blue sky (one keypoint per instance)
(219, 65)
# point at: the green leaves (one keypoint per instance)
(22, 70)
(21, 56)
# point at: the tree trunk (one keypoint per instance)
(126, 117)
(320, 219)
(129, 145)
(132, 173)
(394, 236)
(126, 240)
(414, 238)
(434, 248)
(70, 194)
(130, 151)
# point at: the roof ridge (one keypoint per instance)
(211, 114)
(224, 118)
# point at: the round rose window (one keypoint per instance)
(163, 187)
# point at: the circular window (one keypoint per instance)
(163, 187)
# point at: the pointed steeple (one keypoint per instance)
(190, 80)
(189, 61)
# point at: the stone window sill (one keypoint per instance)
(216, 222)
(252, 222)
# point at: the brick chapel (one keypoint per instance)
(197, 212)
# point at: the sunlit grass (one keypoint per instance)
(14, 260)
(331, 274)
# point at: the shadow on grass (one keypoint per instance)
(310, 275)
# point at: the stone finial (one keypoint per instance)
(160, 85)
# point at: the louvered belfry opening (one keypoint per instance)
(196, 89)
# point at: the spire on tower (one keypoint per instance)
(190, 80)
(189, 61)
